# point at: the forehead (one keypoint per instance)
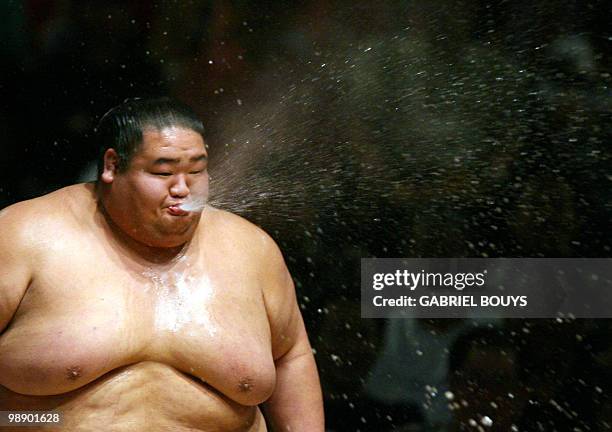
(170, 142)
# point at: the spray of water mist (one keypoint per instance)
(194, 204)
(372, 126)
(442, 144)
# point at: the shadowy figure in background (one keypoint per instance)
(524, 377)
(410, 376)
(486, 382)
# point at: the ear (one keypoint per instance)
(111, 166)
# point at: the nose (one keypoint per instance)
(179, 188)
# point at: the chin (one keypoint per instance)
(173, 238)
(168, 242)
(169, 245)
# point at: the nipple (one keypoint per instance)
(74, 372)
(245, 385)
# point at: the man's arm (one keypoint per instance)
(15, 260)
(296, 404)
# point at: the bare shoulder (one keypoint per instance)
(242, 234)
(24, 227)
(23, 222)
(19, 220)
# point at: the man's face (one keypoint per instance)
(169, 168)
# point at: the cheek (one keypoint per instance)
(151, 192)
(200, 188)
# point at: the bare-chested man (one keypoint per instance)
(128, 305)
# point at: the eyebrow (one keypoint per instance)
(162, 161)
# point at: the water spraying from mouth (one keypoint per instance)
(194, 204)
(401, 144)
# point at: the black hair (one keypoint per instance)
(122, 127)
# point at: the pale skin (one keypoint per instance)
(126, 314)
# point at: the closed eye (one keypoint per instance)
(163, 174)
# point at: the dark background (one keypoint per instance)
(356, 129)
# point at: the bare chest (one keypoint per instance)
(85, 315)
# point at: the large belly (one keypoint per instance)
(147, 396)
